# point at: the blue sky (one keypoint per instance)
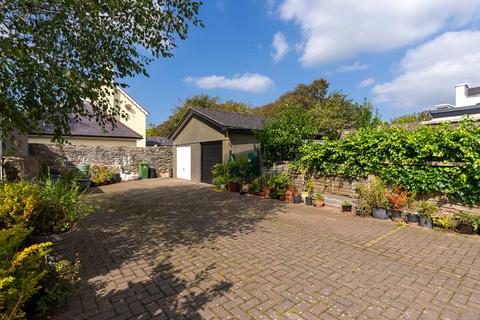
(404, 57)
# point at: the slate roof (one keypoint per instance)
(85, 127)
(232, 120)
(158, 141)
(456, 111)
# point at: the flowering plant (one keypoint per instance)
(397, 199)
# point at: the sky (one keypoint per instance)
(404, 56)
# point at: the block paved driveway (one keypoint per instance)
(167, 249)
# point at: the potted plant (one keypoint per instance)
(297, 198)
(347, 206)
(290, 193)
(443, 219)
(278, 186)
(256, 186)
(245, 188)
(233, 185)
(220, 182)
(318, 200)
(269, 187)
(397, 199)
(372, 198)
(425, 212)
(309, 189)
(466, 223)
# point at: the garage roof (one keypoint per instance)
(224, 120)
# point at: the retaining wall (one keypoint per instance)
(126, 158)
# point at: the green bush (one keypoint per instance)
(59, 283)
(426, 159)
(21, 270)
(47, 208)
(371, 195)
(19, 202)
(239, 170)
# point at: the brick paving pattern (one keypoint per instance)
(167, 249)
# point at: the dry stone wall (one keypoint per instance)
(126, 158)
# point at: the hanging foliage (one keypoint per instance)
(426, 159)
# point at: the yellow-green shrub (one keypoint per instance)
(21, 269)
(18, 201)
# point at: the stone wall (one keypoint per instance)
(126, 158)
(21, 168)
(338, 190)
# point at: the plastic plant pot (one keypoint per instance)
(379, 213)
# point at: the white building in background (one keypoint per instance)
(129, 132)
(467, 103)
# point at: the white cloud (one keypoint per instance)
(367, 83)
(337, 30)
(430, 71)
(249, 82)
(352, 67)
(280, 45)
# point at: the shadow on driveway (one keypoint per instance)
(129, 249)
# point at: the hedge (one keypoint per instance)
(441, 159)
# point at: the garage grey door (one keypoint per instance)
(211, 155)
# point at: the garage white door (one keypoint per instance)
(184, 168)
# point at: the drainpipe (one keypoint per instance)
(227, 146)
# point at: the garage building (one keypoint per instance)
(205, 137)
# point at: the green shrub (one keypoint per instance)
(279, 183)
(426, 159)
(466, 218)
(371, 195)
(19, 201)
(101, 174)
(59, 283)
(427, 209)
(239, 170)
(318, 196)
(48, 208)
(21, 270)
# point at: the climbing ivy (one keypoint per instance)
(441, 159)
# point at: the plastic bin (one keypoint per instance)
(143, 168)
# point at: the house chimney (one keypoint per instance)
(461, 95)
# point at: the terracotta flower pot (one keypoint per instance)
(266, 192)
(318, 203)
(63, 244)
(232, 187)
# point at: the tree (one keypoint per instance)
(340, 113)
(203, 101)
(285, 133)
(55, 54)
(307, 96)
(412, 118)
